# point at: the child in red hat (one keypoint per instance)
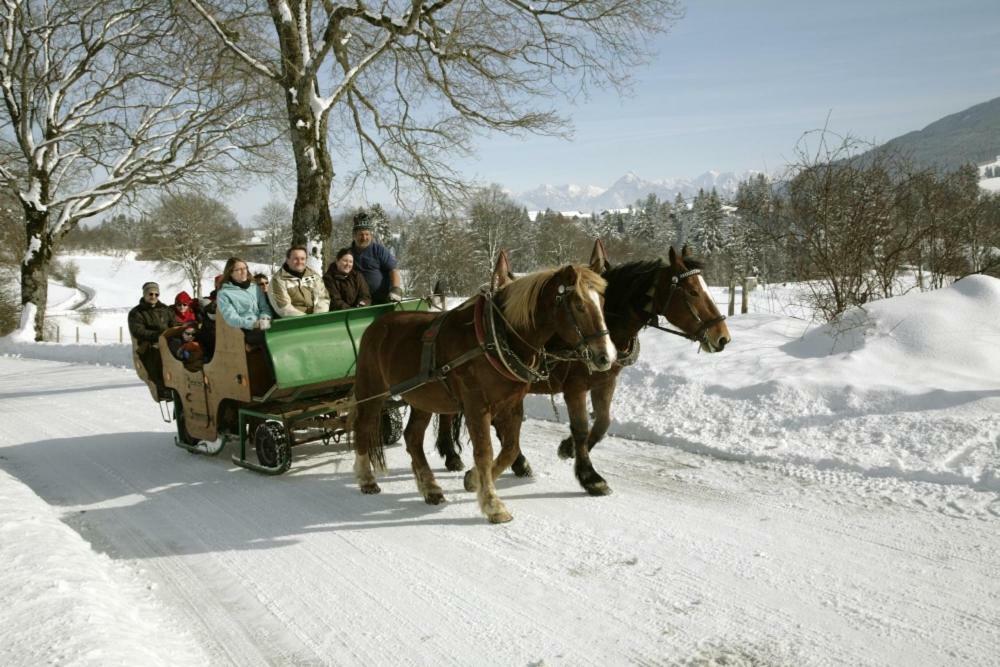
(184, 309)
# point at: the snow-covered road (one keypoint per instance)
(691, 561)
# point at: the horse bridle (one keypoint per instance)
(580, 349)
(699, 336)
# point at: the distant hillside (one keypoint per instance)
(968, 136)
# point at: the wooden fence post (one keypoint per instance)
(120, 340)
(95, 336)
(78, 334)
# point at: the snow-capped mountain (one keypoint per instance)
(625, 191)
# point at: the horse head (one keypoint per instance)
(577, 301)
(681, 295)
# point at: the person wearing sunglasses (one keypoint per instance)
(146, 322)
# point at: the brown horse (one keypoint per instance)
(485, 378)
(637, 294)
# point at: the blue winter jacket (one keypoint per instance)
(242, 307)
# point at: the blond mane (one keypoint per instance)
(521, 296)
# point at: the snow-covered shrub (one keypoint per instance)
(65, 272)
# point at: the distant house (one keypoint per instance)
(990, 169)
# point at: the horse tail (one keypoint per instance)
(369, 440)
(376, 447)
(449, 432)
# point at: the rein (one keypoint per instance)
(580, 350)
(701, 334)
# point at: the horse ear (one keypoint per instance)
(686, 251)
(501, 271)
(599, 257)
(567, 275)
(672, 256)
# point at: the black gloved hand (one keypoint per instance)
(395, 294)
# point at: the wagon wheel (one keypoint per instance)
(182, 432)
(392, 425)
(271, 443)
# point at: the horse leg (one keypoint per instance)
(508, 430)
(449, 429)
(414, 437)
(520, 467)
(600, 397)
(579, 426)
(367, 419)
(480, 477)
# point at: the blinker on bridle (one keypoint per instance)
(701, 334)
(580, 348)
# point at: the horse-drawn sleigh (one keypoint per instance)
(295, 389)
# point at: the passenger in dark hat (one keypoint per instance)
(374, 262)
(146, 322)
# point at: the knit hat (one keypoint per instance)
(183, 297)
(362, 222)
(150, 287)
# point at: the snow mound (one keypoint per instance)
(66, 604)
(953, 325)
(904, 388)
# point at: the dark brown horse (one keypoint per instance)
(483, 377)
(636, 295)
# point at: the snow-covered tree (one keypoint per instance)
(496, 222)
(102, 98)
(188, 233)
(405, 86)
(559, 240)
(438, 249)
(274, 224)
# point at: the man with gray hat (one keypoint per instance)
(146, 322)
(375, 262)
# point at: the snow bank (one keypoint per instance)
(907, 388)
(109, 354)
(65, 604)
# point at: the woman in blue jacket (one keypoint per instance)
(241, 302)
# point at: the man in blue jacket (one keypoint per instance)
(375, 262)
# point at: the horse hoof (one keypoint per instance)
(369, 489)
(522, 469)
(500, 517)
(566, 449)
(454, 464)
(434, 498)
(598, 489)
(469, 481)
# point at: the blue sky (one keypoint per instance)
(735, 84)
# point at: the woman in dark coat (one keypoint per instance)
(346, 286)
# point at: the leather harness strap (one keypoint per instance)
(429, 371)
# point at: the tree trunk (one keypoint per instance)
(308, 133)
(314, 175)
(745, 302)
(35, 266)
(732, 296)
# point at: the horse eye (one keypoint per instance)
(579, 307)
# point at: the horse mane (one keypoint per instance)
(630, 283)
(520, 297)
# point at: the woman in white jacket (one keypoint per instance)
(296, 289)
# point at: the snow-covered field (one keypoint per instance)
(813, 495)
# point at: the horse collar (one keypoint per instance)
(631, 355)
(493, 341)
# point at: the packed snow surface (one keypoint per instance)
(812, 495)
